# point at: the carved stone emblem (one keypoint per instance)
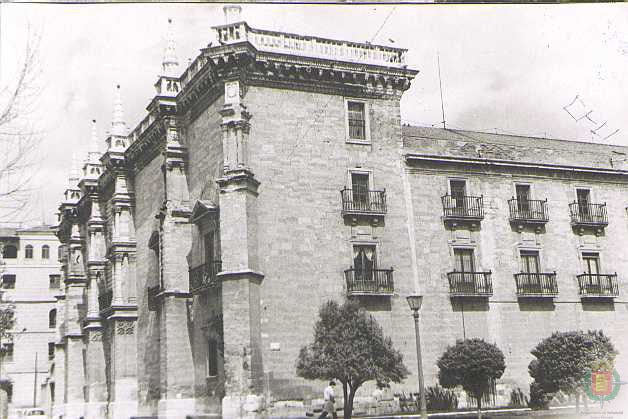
(95, 336)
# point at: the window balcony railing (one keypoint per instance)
(588, 214)
(363, 202)
(598, 285)
(463, 207)
(470, 284)
(369, 282)
(536, 284)
(104, 300)
(203, 276)
(531, 210)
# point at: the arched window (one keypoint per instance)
(52, 318)
(28, 251)
(9, 252)
(45, 251)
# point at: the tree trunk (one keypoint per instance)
(348, 411)
(577, 402)
(4, 404)
(345, 394)
(479, 399)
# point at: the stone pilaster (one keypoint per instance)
(240, 276)
(120, 344)
(177, 381)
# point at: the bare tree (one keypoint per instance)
(19, 138)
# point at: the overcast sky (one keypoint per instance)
(509, 69)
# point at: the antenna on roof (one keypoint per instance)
(440, 84)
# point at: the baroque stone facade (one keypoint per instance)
(198, 249)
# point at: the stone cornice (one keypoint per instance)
(510, 164)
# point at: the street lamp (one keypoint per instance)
(414, 301)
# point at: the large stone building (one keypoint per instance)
(31, 277)
(274, 174)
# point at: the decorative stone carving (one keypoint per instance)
(125, 328)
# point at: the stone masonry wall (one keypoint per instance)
(299, 154)
(148, 199)
(515, 326)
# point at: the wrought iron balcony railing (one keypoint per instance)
(588, 214)
(369, 282)
(104, 300)
(463, 207)
(530, 210)
(470, 284)
(598, 285)
(536, 284)
(203, 276)
(363, 201)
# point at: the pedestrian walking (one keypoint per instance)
(330, 398)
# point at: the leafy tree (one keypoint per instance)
(349, 346)
(563, 359)
(472, 364)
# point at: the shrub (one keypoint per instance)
(438, 398)
(517, 398)
(539, 400)
(474, 365)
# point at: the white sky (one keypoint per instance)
(509, 68)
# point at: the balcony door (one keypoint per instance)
(531, 266)
(584, 203)
(530, 262)
(364, 262)
(523, 198)
(360, 190)
(458, 191)
(591, 263)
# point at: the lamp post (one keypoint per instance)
(414, 301)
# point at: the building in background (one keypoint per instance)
(31, 277)
(274, 174)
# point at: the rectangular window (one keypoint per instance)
(51, 350)
(208, 247)
(7, 351)
(530, 262)
(54, 281)
(584, 200)
(591, 263)
(364, 262)
(357, 120)
(464, 260)
(8, 281)
(212, 358)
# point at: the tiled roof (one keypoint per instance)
(462, 143)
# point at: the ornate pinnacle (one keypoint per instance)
(170, 63)
(118, 127)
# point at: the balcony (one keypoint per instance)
(536, 284)
(203, 276)
(592, 215)
(369, 282)
(530, 211)
(364, 202)
(470, 284)
(463, 208)
(598, 285)
(104, 300)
